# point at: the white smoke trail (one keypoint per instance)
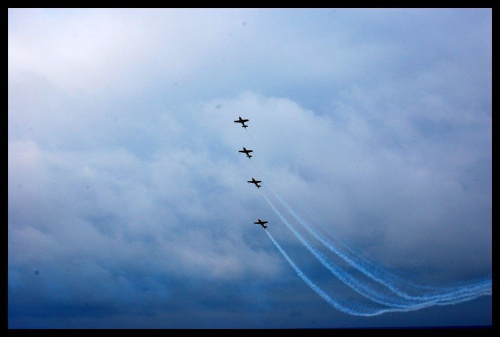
(335, 270)
(347, 278)
(337, 305)
(445, 295)
(362, 260)
(367, 312)
(404, 301)
(256, 147)
(334, 303)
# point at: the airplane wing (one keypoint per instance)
(247, 152)
(241, 120)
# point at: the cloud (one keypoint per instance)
(180, 211)
(126, 190)
(116, 50)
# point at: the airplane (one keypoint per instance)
(256, 182)
(262, 223)
(245, 151)
(242, 121)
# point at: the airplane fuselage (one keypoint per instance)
(242, 121)
(262, 223)
(256, 182)
(245, 151)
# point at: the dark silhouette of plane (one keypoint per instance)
(245, 151)
(242, 121)
(256, 182)
(262, 223)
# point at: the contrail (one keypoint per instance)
(345, 277)
(253, 141)
(334, 303)
(445, 296)
(335, 270)
(398, 301)
(392, 307)
(363, 261)
(313, 286)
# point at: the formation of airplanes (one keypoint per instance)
(253, 181)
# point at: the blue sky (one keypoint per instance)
(128, 202)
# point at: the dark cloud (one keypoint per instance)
(128, 202)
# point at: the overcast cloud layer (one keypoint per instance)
(128, 202)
